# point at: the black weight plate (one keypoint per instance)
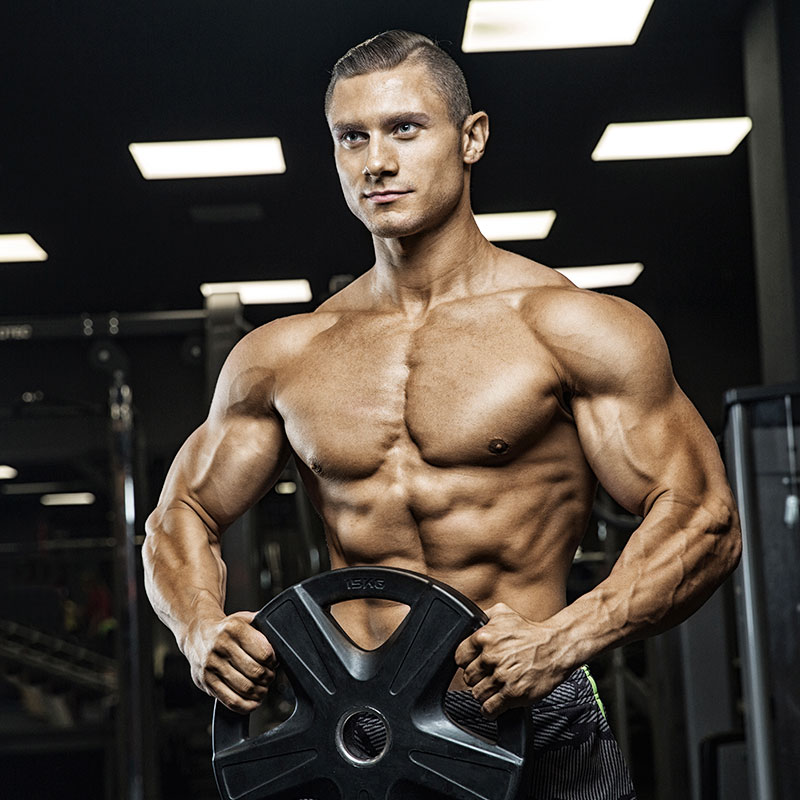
(404, 681)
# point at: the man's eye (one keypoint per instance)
(406, 127)
(351, 137)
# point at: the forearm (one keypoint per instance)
(673, 562)
(184, 571)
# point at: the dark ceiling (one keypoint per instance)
(83, 80)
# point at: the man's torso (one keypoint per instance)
(443, 444)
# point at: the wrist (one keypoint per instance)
(572, 641)
(203, 613)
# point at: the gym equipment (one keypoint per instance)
(761, 446)
(398, 690)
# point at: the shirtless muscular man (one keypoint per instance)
(451, 412)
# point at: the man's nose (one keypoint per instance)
(381, 158)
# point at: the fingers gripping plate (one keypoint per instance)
(368, 725)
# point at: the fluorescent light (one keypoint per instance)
(212, 158)
(17, 247)
(257, 292)
(7, 473)
(603, 275)
(286, 487)
(622, 141)
(68, 499)
(552, 24)
(516, 226)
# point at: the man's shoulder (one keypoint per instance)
(595, 336)
(285, 337)
(565, 308)
(547, 298)
(554, 304)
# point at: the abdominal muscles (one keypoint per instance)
(495, 533)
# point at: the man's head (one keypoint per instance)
(404, 134)
(390, 49)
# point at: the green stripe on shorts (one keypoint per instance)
(594, 689)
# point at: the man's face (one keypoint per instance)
(398, 154)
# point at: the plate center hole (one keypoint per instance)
(363, 736)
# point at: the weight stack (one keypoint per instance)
(762, 432)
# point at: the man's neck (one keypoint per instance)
(414, 273)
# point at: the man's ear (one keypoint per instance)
(474, 135)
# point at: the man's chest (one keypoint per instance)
(462, 389)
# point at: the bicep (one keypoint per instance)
(640, 433)
(639, 449)
(227, 466)
(234, 457)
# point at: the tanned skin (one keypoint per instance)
(451, 412)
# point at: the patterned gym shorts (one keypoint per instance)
(574, 753)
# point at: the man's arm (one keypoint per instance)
(651, 450)
(224, 467)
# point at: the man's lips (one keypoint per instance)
(386, 195)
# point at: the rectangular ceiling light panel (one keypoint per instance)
(68, 499)
(18, 247)
(602, 276)
(516, 226)
(626, 141)
(258, 292)
(494, 25)
(214, 158)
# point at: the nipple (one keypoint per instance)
(498, 446)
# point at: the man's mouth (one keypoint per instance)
(386, 195)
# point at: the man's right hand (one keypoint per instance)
(231, 661)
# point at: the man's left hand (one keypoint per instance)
(509, 662)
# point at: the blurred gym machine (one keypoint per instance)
(42, 431)
(85, 594)
(761, 452)
(276, 544)
(741, 650)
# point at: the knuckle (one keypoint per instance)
(269, 657)
(261, 674)
(482, 637)
(489, 661)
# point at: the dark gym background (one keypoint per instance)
(95, 701)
